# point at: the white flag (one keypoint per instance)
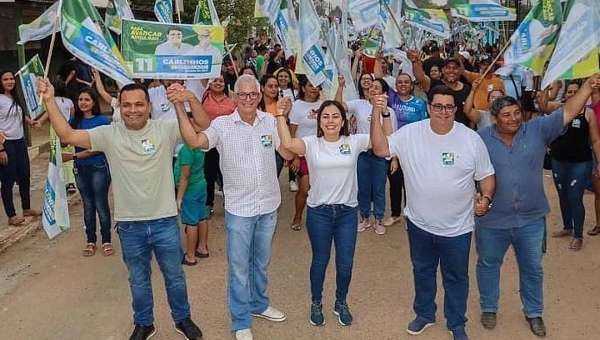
(267, 9)
(313, 57)
(339, 53)
(41, 27)
(364, 13)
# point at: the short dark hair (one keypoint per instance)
(442, 90)
(173, 28)
(262, 49)
(384, 85)
(344, 131)
(501, 103)
(134, 87)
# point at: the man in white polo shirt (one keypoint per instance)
(246, 141)
(441, 161)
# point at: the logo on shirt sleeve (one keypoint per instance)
(266, 140)
(448, 158)
(148, 146)
(345, 149)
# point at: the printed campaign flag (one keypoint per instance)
(534, 40)
(86, 37)
(481, 10)
(313, 57)
(29, 74)
(206, 13)
(576, 52)
(55, 214)
(391, 33)
(116, 10)
(430, 20)
(286, 26)
(172, 51)
(41, 27)
(163, 9)
(267, 9)
(339, 53)
(364, 13)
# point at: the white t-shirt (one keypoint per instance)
(288, 93)
(11, 118)
(65, 105)
(304, 115)
(116, 117)
(332, 167)
(362, 110)
(162, 108)
(440, 173)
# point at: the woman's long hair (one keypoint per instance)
(15, 105)
(263, 82)
(78, 115)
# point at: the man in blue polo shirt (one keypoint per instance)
(517, 152)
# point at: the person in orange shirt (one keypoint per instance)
(488, 83)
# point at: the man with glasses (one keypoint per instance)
(246, 141)
(174, 44)
(442, 161)
(204, 47)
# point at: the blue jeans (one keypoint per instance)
(138, 240)
(15, 171)
(452, 254)
(372, 171)
(527, 241)
(93, 181)
(248, 253)
(325, 223)
(570, 180)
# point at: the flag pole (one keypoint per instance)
(178, 10)
(47, 66)
(387, 6)
(506, 45)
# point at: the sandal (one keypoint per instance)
(188, 263)
(595, 231)
(89, 250)
(296, 225)
(32, 212)
(107, 249)
(576, 244)
(16, 221)
(562, 233)
(71, 188)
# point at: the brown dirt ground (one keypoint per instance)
(49, 291)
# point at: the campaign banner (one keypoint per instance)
(364, 13)
(313, 56)
(29, 75)
(41, 27)
(576, 52)
(206, 13)
(431, 20)
(533, 41)
(116, 10)
(55, 214)
(85, 35)
(163, 9)
(267, 9)
(286, 26)
(172, 51)
(481, 10)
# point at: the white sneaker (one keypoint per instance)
(243, 334)
(271, 314)
(363, 224)
(379, 228)
(390, 221)
(293, 186)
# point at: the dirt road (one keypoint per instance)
(49, 291)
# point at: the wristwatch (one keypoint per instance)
(489, 201)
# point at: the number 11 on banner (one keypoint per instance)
(143, 65)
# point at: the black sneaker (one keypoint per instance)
(343, 313)
(188, 329)
(316, 314)
(537, 326)
(142, 332)
(488, 320)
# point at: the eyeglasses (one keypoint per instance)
(245, 95)
(440, 107)
(205, 36)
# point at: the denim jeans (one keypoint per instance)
(248, 254)
(570, 180)
(372, 171)
(452, 254)
(15, 171)
(325, 223)
(527, 241)
(138, 240)
(93, 181)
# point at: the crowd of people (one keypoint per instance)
(462, 146)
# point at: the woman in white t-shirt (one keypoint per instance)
(285, 82)
(66, 107)
(332, 200)
(303, 123)
(14, 159)
(372, 170)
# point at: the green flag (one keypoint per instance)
(206, 13)
(29, 75)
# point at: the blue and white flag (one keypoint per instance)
(163, 9)
(339, 53)
(29, 75)
(313, 57)
(286, 26)
(267, 9)
(364, 13)
(41, 27)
